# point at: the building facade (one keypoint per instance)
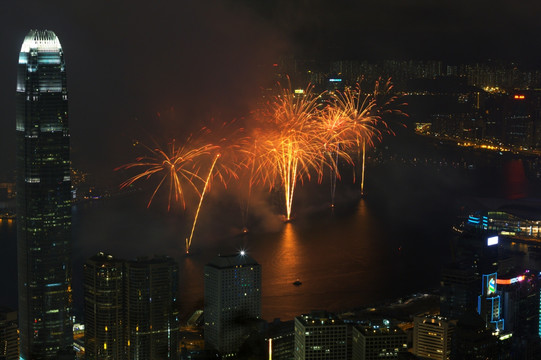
(43, 198)
(432, 337)
(9, 337)
(378, 341)
(151, 322)
(320, 335)
(104, 308)
(232, 301)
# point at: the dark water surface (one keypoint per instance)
(388, 244)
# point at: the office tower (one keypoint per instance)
(489, 303)
(43, 198)
(151, 323)
(378, 341)
(232, 301)
(472, 339)
(432, 337)
(520, 308)
(320, 335)
(459, 285)
(282, 339)
(103, 308)
(9, 338)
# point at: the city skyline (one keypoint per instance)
(132, 82)
(207, 50)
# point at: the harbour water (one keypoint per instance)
(388, 244)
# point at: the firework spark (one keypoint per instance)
(177, 165)
(289, 146)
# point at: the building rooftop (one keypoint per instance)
(102, 258)
(383, 329)
(41, 40)
(319, 318)
(524, 208)
(232, 261)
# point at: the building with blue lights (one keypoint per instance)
(489, 303)
(43, 198)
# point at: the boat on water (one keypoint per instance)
(297, 283)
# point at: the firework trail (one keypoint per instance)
(205, 187)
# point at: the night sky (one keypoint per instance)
(189, 61)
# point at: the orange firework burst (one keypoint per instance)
(177, 164)
(362, 116)
(288, 144)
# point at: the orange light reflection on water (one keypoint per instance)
(289, 253)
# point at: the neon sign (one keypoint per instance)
(511, 281)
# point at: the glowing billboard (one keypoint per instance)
(492, 241)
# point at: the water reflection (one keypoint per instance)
(286, 259)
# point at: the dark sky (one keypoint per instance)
(129, 60)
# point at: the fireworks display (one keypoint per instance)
(176, 165)
(289, 144)
(292, 139)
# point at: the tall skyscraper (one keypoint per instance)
(104, 308)
(232, 301)
(43, 198)
(151, 323)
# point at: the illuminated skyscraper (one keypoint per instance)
(43, 198)
(151, 323)
(104, 305)
(232, 301)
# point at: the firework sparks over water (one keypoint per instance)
(180, 166)
(289, 147)
(296, 138)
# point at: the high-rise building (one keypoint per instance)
(151, 312)
(232, 301)
(281, 336)
(320, 335)
(378, 341)
(459, 286)
(472, 339)
(432, 337)
(103, 308)
(43, 198)
(489, 303)
(9, 338)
